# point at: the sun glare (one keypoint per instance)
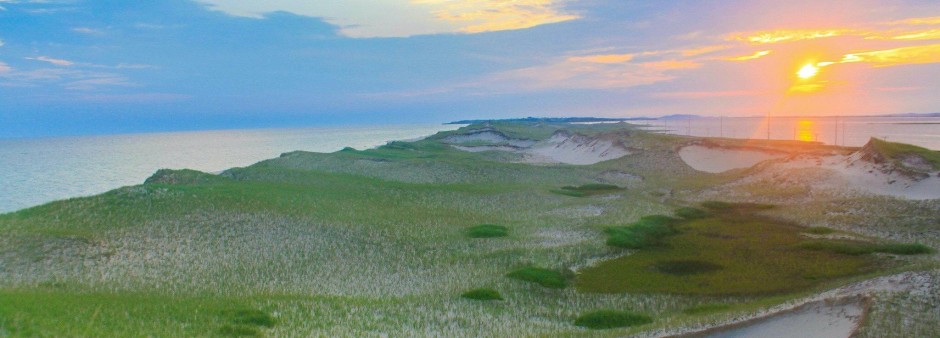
(808, 71)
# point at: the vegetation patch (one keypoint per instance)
(649, 231)
(898, 151)
(856, 248)
(544, 277)
(587, 190)
(733, 251)
(482, 294)
(487, 231)
(685, 267)
(240, 331)
(611, 319)
(254, 318)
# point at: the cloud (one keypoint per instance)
(496, 15)
(603, 58)
(893, 57)
(4, 67)
(86, 30)
(704, 50)
(68, 78)
(401, 18)
(787, 35)
(756, 55)
(57, 62)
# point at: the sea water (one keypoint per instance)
(853, 131)
(36, 171)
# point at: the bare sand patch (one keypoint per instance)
(718, 160)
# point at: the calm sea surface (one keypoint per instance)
(848, 131)
(36, 171)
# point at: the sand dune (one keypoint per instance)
(718, 160)
(561, 147)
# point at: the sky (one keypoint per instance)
(72, 67)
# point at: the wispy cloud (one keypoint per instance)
(87, 30)
(756, 55)
(399, 18)
(892, 57)
(705, 94)
(4, 67)
(57, 62)
(477, 16)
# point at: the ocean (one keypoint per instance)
(852, 131)
(37, 171)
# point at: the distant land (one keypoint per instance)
(556, 120)
(664, 117)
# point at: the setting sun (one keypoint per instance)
(808, 71)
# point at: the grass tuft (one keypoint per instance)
(706, 308)
(253, 317)
(611, 319)
(544, 277)
(482, 294)
(239, 331)
(487, 231)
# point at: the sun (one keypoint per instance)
(808, 71)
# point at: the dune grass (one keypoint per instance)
(732, 252)
(544, 277)
(896, 151)
(611, 319)
(487, 231)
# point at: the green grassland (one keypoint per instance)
(398, 240)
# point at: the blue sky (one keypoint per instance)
(108, 66)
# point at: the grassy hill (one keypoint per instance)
(373, 242)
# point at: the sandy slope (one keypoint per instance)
(562, 147)
(717, 160)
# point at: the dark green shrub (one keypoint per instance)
(863, 248)
(610, 319)
(648, 231)
(482, 294)
(253, 317)
(544, 277)
(487, 231)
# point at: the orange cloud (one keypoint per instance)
(604, 58)
(756, 55)
(703, 50)
(671, 65)
(893, 57)
(917, 21)
(784, 35)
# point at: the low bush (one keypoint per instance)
(487, 231)
(647, 232)
(544, 277)
(587, 190)
(610, 319)
(482, 294)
